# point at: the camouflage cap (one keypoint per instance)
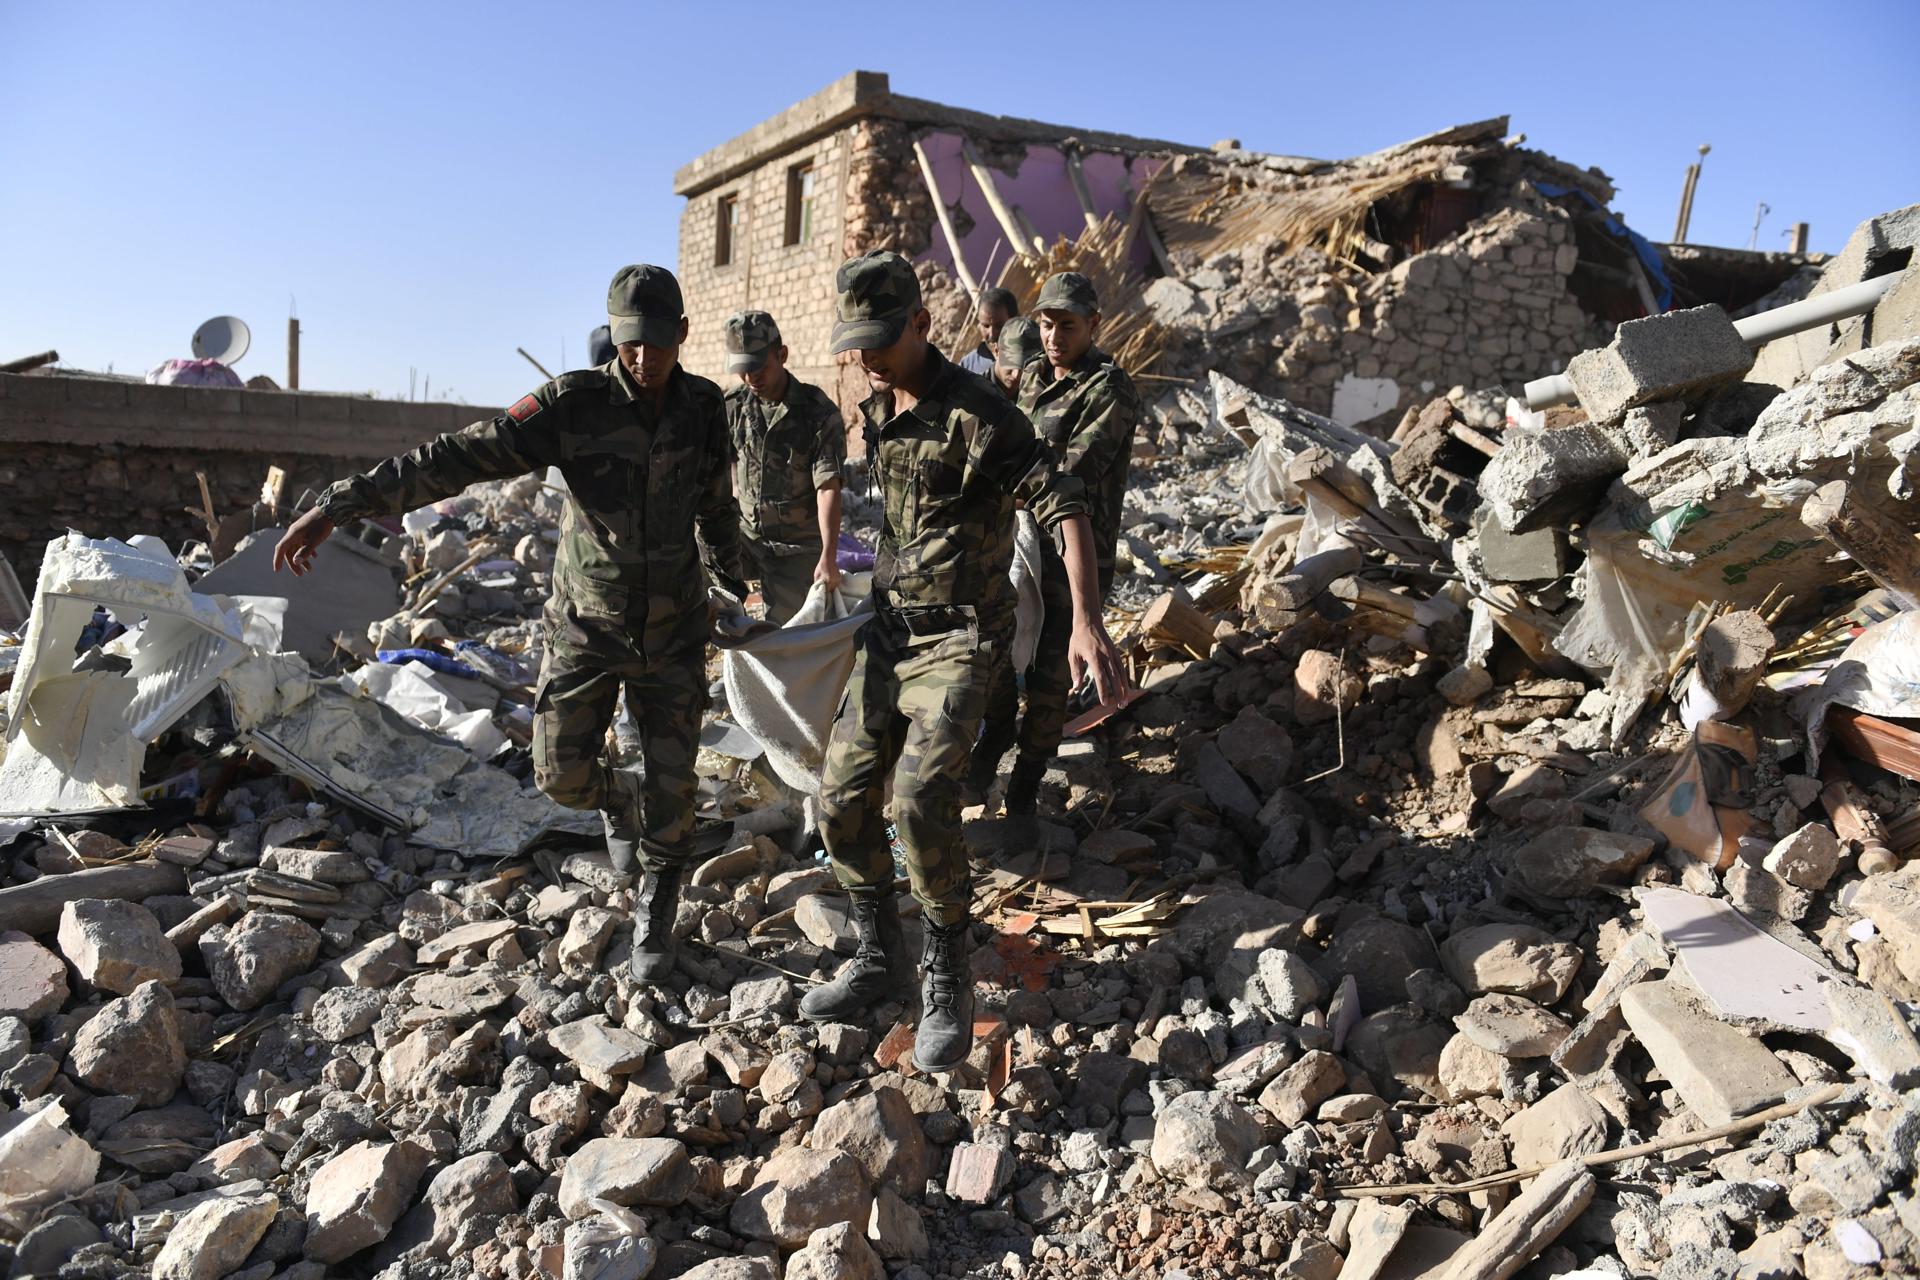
(1018, 344)
(1068, 291)
(878, 295)
(751, 338)
(643, 305)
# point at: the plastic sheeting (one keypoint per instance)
(76, 739)
(411, 689)
(1878, 674)
(193, 373)
(366, 756)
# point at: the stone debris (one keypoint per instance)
(1385, 889)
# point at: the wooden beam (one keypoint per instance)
(1154, 242)
(1880, 743)
(1002, 211)
(1877, 542)
(1077, 175)
(945, 216)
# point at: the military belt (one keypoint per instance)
(923, 620)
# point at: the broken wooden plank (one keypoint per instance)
(35, 908)
(1173, 622)
(1533, 1220)
(1875, 541)
(1880, 743)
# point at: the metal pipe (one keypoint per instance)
(1757, 330)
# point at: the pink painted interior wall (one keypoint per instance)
(1042, 190)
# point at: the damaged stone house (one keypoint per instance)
(1354, 288)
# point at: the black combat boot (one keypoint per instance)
(946, 999)
(984, 765)
(653, 912)
(1023, 787)
(623, 823)
(873, 974)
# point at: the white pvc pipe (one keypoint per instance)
(1757, 330)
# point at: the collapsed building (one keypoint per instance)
(1505, 868)
(1353, 288)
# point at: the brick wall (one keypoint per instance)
(794, 282)
(113, 459)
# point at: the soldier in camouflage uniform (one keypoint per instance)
(643, 447)
(789, 444)
(1018, 347)
(950, 457)
(1085, 408)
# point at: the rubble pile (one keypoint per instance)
(1468, 892)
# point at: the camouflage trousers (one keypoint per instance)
(1038, 733)
(666, 697)
(785, 576)
(910, 714)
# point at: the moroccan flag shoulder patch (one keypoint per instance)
(523, 408)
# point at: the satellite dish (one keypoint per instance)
(223, 338)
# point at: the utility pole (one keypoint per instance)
(1760, 212)
(1686, 195)
(293, 354)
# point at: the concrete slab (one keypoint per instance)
(1718, 1072)
(1747, 975)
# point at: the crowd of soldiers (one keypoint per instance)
(676, 488)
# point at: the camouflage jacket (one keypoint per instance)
(1087, 417)
(949, 471)
(627, 578)
(782, 455)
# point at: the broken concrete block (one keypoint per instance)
(1650, 428)
(1511, 1026)
(116, 946)
(1759, 892)
(1663, 357)
(1550, 475)
(1892, 901)
(1536, 556)
(1372, 1236)
(1872, 1031)
(879, 1130)
(1718, 1072)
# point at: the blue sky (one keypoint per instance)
(435, 184)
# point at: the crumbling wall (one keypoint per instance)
(105, 456)
(1488, 307)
